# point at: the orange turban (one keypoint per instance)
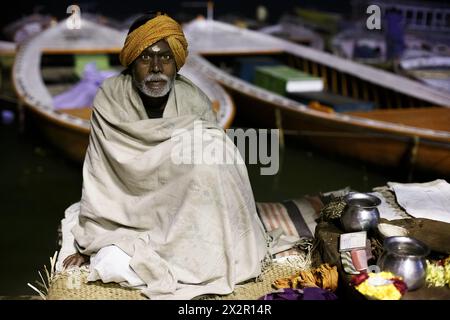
(158, 28)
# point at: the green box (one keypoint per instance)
(101, 61)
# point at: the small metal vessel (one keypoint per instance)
(360, 212)
(405, 257)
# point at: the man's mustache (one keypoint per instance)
(156, 77)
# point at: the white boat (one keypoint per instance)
(429, 67)
(290, 28)
(68, 129)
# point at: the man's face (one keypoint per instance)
(154, 70)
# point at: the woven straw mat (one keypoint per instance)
(251, 290)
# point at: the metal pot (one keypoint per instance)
(405, 257)
(360, 212)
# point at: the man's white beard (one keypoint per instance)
(154, 93)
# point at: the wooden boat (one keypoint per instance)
(290, 28)
(7, 54)
(23, 28)
(420, 26)
(7, 48)
(360, 45)
(68, 129)
(410, 125)
(321, 21)
(432, 68)
(363, 46)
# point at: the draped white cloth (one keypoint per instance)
(190, 229)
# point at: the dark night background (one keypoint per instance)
(123, 9)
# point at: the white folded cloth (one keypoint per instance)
(111, 264)
(430, 200)
(387, 211)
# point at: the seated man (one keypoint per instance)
(187, 229)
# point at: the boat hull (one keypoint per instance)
(72, 141)
(381, 147)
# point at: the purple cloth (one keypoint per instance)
(318, 294)
(82, 94)
(395, 42)
(300, 294)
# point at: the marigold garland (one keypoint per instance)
(380, 286)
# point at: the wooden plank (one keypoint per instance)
(435, 118)
(83, 113)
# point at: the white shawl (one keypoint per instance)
(189, 229)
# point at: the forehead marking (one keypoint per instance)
(155, 48)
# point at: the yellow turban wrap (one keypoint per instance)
(158, 28)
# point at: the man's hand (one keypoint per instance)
(76, 259)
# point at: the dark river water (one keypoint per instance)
(37, 184)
